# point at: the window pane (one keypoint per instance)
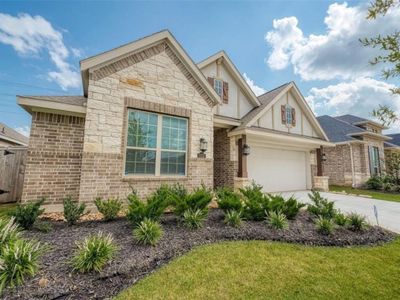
(172, 163)
(140, 161)
(142, 129)
(174, 133)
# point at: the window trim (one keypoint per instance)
(221, 84)
(158, 149)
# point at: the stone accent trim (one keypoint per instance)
(157, 107)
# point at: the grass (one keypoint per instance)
(260, 270)
(6, 208)
(380, 195)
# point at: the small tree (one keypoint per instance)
(393, 165)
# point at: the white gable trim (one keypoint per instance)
(233, 71)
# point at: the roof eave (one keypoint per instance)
(35, 105)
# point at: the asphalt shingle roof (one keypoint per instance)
(7, 132)
(351, 119)
(395, 139)
(338, 130)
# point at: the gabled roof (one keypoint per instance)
(139, 45)
(355, 120)
(221, 55)
(337, 130)
(10, 135)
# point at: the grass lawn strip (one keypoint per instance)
(360, 192)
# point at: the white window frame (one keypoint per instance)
(158, 148)
(218, 86)
(289, 116)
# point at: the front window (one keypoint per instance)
(374, 160)
(156, 144)
(218, 87)
(289, 116)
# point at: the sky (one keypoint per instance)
(314, 43)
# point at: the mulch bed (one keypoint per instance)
(56, 280)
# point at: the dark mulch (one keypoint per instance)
(135, 261)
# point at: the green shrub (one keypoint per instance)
(356, 222)
(290, 207)
(233, 218)
(199, 199)
(108, 208)
(374, 183)
(72, 210)
(277, 220)
(324, 226)
(193, 219)
(177, 191)
(388, 186)
(340, 219)
(228, 200)
(19, 259)
(26, 214)
(93, 253)
(255, 202)
(9, 232)
(148, 232)
(152, 209)
(321, 207)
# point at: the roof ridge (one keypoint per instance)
(349, 124)
(287, 83)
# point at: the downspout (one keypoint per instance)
(353, 177)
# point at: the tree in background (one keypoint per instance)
(390, 46)
(393, 165)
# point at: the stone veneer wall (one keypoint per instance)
(53, 163)
(154, 80)
(338, 165)
(225, 166)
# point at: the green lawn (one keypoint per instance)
(271, 270)
(6, 208)
(374, 194)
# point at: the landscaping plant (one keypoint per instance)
(108, 208)
(277, 220)
(9, 232)
(324, 225)
(93, 253)
(148, 232)
(72, 210)
(374, 183)
(26, 214)
(255, 202)
(290, 207)
(321, 207)
(233, 218)
(356, 222)
(19, 259)
(199, 199)
(193, 219)
(228, 200)
(340, 219)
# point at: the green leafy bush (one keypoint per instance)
(290, 207)
(108, 208)
(340, 219)
(93, 253)
(72, 210)
(26, 214)
(321, 207)
(324, 226)
(255, 202)
(193, 219)
(233, 218)
(148, 232)
(356, 222)
(177, 191)
(374, 183)
(199, 199)
(19, 259)
(277, 220)
(228, 200)
(9, 232)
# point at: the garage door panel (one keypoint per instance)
(278, 170)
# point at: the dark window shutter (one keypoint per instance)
(293, 117)
(225, 92)
(211, 81)
(283, 114)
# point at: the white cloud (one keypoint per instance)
(30, 36)
(25, 130)
(255, 88)
(336, 54)
(76, 52)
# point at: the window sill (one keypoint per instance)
(153, 178)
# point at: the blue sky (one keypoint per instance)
(314, 43)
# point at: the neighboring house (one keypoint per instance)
(394, 144)
(359, 151)
(9, 137)
(149, 116)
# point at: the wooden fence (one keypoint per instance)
(12, 170)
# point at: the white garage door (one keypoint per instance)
(278, 170)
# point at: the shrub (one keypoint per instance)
(72, 210)
(277, 220)
(228, 200)
(199, 199)
(324, 226)
(193, 219)
(19, 259)
(388, 186)
(9, 232)
(255, 202)
(44, 227)
(108, 208)
(148, 232)
(26, 214)
(356, 222)
(93, 253)
(152, 209)
(374, 183)
(290, 207)
(340, 219)
(321, 207)
(177, 191)
(233, 218)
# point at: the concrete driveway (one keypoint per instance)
(388, 212)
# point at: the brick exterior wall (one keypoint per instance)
(225, 162)
(53, 162)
